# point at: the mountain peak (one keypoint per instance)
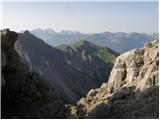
(6, 33)
(27, 32)
(49, 30)
(83, 41)
(90, 49)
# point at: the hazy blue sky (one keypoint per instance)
(87, 17)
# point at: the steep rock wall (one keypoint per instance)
(24, 94)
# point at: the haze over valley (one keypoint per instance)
(119, 41)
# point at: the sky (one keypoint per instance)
(86, 17)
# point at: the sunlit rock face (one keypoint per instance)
(131, 92)
(138, 67)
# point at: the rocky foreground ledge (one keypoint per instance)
(131, 92)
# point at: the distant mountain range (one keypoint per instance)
(72, 70)
(55, 39)
(119, 42)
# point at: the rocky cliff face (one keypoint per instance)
(138, 67)
(71, 70)
(131, 92)
(24, 94)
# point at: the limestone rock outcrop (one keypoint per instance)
(23, 91)
(136, 68)
(131, 92)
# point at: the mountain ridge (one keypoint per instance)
(105, 53)
(58, 67)
(118, 41)
(24, 91)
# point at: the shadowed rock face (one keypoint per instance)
(22, 90)
(71, 71)
(131, 92)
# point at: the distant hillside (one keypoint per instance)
(119, 42)
(71, 71)
(91, 50)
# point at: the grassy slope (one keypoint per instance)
(104, 53)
